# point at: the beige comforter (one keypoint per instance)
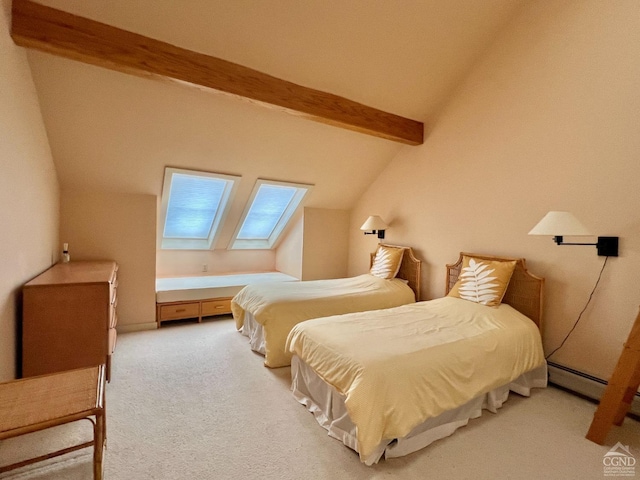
(278, 306)
(402, 366)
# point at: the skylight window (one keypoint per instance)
(194, 205)
(271, 206)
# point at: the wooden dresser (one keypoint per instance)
(69, 318)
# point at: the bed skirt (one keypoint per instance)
(329, 410)
(254, 331)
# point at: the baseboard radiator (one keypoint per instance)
(583, 384)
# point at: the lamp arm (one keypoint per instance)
(607, 246)
(568, 243)
(380, 233)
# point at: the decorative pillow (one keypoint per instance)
(483, 281)
(386, 261)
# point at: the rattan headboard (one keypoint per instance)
(524, 292)
(409, 269)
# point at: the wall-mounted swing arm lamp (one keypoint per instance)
(561, 224)
(374, 225)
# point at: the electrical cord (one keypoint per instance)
(580, 315)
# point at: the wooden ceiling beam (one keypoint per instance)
(78, 38)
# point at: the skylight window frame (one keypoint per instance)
(232, 182)
(302, 190)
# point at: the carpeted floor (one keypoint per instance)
(191, 401)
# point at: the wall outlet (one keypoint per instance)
(205, 267)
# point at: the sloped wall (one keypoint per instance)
(28, 191)
(547, 120)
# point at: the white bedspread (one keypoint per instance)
(402, 366)
(278, 307)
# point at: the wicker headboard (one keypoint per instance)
(524, 292)
(409, 269)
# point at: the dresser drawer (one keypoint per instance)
(178, 311)
(216, 307)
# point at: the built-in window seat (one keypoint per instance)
(179, 298)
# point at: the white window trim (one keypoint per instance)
(218, 220)
(287, 215)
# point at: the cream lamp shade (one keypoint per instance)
(374, 222)
(560, 224)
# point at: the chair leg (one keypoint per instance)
(98, 445)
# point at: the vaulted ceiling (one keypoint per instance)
(116, 132)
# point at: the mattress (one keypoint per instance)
(178, 289)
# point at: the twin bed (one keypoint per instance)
(387, 381)
(267, 312)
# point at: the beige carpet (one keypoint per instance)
(191, 401)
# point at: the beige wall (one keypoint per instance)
(28, 191)
(120, 227)
(289, 250)
(547, 120)
(326, 241)
(215, 262)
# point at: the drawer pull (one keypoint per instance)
(179, 310)
(219, 306)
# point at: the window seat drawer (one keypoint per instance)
(216, 307)
(192, 309)
(179, 311)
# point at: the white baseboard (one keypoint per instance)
(137, 327)
(583, 384)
